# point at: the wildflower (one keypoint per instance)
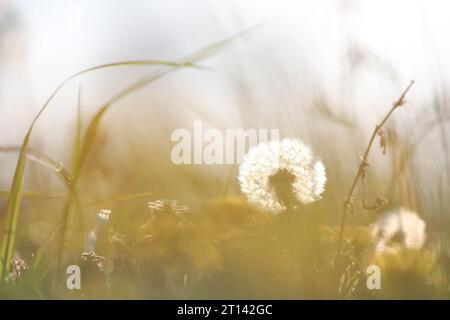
(103, 216)
(278, 175)
(398, 228)
(92, 257)
(168, 206)
(94, 237)
(168, 216)
(18, 268)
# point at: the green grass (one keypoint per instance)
(81, 150)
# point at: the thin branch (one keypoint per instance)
(348, 203)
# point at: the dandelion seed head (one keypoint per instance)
(289, 157)
(401, 226)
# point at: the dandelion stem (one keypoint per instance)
(363, 164)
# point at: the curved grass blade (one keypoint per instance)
(94, 125)
(32, 194)
(14, 201)
(44, 160)
(187, 61)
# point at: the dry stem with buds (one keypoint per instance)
(361, 173)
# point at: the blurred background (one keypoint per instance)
(325, 72)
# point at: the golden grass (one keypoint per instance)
(219, 247)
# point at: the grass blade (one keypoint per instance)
(12, 215)
(44, 160)
(187, 61)
(33, 194)
(14, 201)
(15, 198)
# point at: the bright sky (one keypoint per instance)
(303, 49)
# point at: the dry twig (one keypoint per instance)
(348, 203)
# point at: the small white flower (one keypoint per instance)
(289, 159)
(91, 237)
(168, 205)
(103, 215)
(399, 228)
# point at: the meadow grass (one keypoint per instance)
(213, 245)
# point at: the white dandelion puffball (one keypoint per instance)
(269, 158)
(398, 228)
